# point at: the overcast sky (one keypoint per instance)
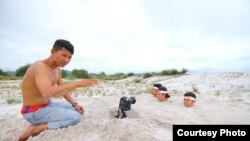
(128, 35)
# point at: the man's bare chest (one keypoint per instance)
(53, 76)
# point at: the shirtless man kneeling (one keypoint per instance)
(43, 81)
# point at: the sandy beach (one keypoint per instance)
(222, 98)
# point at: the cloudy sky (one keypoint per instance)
(129, 35)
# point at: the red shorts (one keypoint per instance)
(33, 108)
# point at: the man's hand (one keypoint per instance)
(79, 108)
(88, 82)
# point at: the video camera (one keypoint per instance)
(125, 105)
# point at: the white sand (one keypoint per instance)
(222, 98)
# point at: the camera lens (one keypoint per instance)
(132, 100)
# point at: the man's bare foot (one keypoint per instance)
(26, 134)
(32, 131)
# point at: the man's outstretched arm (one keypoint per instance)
(49, 90)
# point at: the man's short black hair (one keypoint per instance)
(190, 94)
(157, 85)
(60, 44)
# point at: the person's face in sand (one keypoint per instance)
(188, 101)
(154, 91)
(162, 94)
(161, 97)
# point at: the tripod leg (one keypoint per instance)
(119, 113)
(124, 115)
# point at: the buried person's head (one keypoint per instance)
(155, 88)
(189, 99)
(162, 94)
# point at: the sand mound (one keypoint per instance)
(222, 98)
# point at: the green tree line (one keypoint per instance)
(84, 74)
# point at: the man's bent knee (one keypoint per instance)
(71, 119)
